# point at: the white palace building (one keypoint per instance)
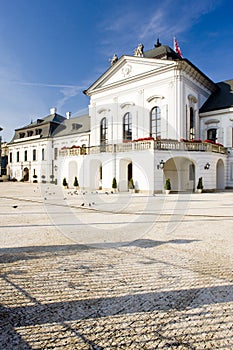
(152, 116)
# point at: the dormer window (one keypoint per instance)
(21, 135)
(30, 133)
(38, 131)
(75, 126)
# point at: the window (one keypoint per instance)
(34, 154)
(192, 125)
(17, 156)
(10, 156)
(127, 127)
(55, 153)
(212, 134)
(38, 131)
(30, 133)
(155, 123)
(42, 154)
(25, 156)
(231, 171)
(21, 135)
(75, 126)
(103, 133)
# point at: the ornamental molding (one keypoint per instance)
(212, 121)
(127, 104)
(192, 98)
(103, 110)
(155, 98)
(126, 70)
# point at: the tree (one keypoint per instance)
(131, 184)
(114, 183)
(76, 184)
(200, 184)
(64, 182)
(167, 185)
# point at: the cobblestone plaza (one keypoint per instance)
(115, 271)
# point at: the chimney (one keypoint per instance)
(68, 115)
(53, 110)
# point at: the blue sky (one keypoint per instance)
(50, 51)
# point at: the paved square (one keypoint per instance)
(115, 271)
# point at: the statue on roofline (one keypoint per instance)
(114, 59)
(138, 52)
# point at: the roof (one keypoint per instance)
(55, 118)
(221, 99)
(162, 52)
(76, 125)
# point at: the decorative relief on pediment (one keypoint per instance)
(126, 70)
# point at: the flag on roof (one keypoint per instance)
(177, 48)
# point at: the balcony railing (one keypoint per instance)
(163, 145)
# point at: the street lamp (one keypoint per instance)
(161, 164)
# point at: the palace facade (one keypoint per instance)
(152, 116)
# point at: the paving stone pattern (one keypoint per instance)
(158, 291)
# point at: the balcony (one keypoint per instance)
(147, 144)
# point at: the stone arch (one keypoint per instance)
(26, 174)
(95, 174)
(181, 171)
(220, 180)
(72, 172)
(125, 173)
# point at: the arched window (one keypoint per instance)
(191, 124)
(155, 123)
(127, 127)
(103, 132)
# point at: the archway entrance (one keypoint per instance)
(96, 175)
(220, 183)
(181, 172)
(25, 174)
(73, 171)
(130, 171)
(126, 173)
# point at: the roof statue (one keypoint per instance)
(158, 43)
(138, 52)
(114, 59)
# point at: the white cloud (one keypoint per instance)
(163, 20)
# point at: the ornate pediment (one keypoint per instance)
(127, 69)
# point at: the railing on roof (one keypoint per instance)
(146, 144)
